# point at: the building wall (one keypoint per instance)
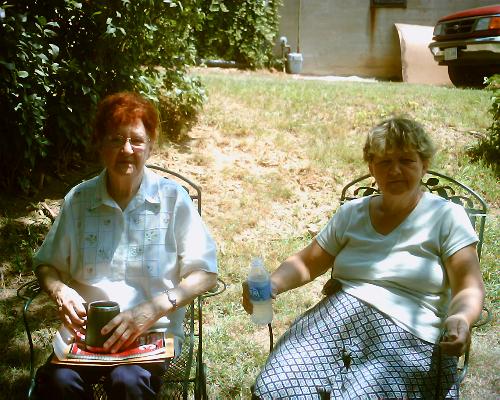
(349, 37)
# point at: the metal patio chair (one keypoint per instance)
(452, 190)
(187, 371)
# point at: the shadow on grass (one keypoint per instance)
(19, 238)
(24, 221)
(15, 359)
(23, 226)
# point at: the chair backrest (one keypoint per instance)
(192, 188)
(436, 183)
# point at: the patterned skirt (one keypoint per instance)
(344, 349)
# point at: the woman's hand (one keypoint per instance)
(129, 325)
(297, 270)
(68, 301)
(457, 336)
(247, 303)
(70, 306)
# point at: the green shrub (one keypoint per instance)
(179, 106)
(488, 147)
(242, 31)
(59, 57)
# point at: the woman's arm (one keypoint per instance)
(69, 302)
(467, 291)
(301, 268)
(130, 324)
(192, 286)
(297, 270)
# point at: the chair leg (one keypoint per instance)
(203, 378)
(200, 384)
(99, 392)
(31, 390)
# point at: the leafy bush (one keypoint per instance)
(179, 105)
(242, 31)
(488, 147)
(59, 57)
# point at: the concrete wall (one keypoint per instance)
(348, 37)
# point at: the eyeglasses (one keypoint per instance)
(117, 142)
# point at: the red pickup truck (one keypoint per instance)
(468, 42)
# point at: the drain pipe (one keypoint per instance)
(294, 60)
(223, 64)
(298, 26)
(285, 50)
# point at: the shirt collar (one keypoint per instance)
(148, 191)
(150, 187)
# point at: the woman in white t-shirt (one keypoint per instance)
(405, 267)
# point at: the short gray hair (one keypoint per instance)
(398, 133)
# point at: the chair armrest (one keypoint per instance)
(29, 290)
(484, 319)
(217, 289)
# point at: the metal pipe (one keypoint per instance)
(223, 64)
(298, 26)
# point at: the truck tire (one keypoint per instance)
(469, 75)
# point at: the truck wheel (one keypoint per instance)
(468, 75)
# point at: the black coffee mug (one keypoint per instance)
(98, 315)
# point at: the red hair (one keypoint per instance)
(124, 108)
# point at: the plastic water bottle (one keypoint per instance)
(259, 286)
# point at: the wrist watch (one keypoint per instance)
(172, 300)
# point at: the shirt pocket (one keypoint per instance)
(158, 231)
(97, 231)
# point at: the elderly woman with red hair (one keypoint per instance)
(129, 236)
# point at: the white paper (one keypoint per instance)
(62, 342)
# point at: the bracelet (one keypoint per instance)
(173, 301)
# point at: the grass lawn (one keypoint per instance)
(272, 154)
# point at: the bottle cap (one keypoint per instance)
(257, 262)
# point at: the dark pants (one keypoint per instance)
(123, 382)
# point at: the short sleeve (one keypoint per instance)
(330, 238)
(195, 247)
(457, 231)
(56, 247)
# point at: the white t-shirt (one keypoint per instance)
(130, 255)
(402, 274)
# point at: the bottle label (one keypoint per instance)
(259, 291)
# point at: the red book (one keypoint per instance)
(151, 347)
